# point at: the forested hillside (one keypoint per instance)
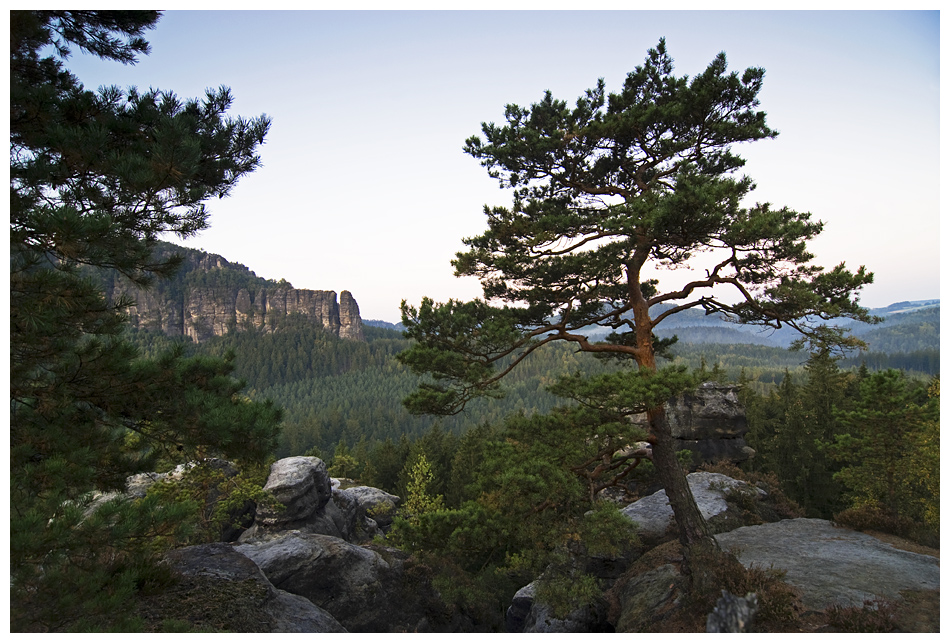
(335, 390)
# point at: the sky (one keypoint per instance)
(365, 187)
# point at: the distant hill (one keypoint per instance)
(907, 306)
(378, 323)
(906, 327)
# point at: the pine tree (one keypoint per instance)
(890, 448)
(644, 176)
(343, 465)
(825, 391)
(95, 178)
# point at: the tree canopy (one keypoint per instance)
(95, 178)
(646, 176)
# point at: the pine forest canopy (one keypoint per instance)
(601, 191)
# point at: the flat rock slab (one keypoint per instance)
(832, 564)
(654, 516)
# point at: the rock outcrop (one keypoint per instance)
(244, 590)
(317, 547)
(824, 565)
(311, 504)
(211, 296)
(525, 615)
(311, 566)
(832, 565)
(365, 590)
(654, 516)
(709, 421)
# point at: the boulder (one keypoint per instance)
(223, 589)
(824, 564)
(316, 503)
(732, 613)
(517, 613)
(367, 511)
(348, 581)
(832, 565)
(527, 615)
(303, 487)
(644, 599)
(363, 589)
(654, 516)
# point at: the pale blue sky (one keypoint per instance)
(365, 187)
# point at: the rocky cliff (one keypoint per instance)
(211, 296)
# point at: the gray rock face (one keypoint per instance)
(368, 511)
(828, 565)
(644, 598)
(284, 612)
(831, 564)
(654, 516)
(526, 615)
(226, 296)
(351, 325)
(359, 587)
(517, 614)
(313, 504)
(732, 613)
(294, 614)
(303, 487)
(710, 422)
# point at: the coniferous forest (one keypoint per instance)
(498, 427)
(808, 415)
(334, 390)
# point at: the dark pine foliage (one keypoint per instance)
(95, 178)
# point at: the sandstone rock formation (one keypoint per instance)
(654, 516)
(732, 613)
(317, 547)
(363, 590)
(371, 510)
(832, 564)
(210, 296)
(826, 565)
(710, 422)
(263, 607)
(311, 504)
(317, 550)
(311, 568)
(529, 616)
